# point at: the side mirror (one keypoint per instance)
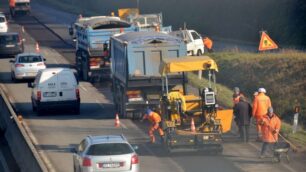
(30, 84)
(12, 61)
(73, 150)
(135, 147)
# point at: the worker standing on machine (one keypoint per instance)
(261, 104)
(155, 120)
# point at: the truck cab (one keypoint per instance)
(192, 39)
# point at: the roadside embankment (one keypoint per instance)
(21, 147)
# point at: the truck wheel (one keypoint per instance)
(85, 71)
(34, 108)
(199, 53)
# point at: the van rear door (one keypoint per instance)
(48, 86)
(67, 86)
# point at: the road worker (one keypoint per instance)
(12, 5)
(261, 104)
(155, 120)
(208, 44)
(236, 97)
(271, 125)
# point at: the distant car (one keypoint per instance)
(3, 23)
(55, 88)
(26, 66)
(11, 44)
(105, 153)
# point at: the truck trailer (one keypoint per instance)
(92, 44)
(135, 60)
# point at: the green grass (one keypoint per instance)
(298, 138)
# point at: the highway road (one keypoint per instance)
(55, 133)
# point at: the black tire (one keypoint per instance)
(76, 111)
(199, 52)
(78, 64)
(34, 108)
(39, 111)
(85, 71)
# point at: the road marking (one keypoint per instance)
(83, 88)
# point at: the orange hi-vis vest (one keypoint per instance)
(261, 104)
(270, 125)
(207, 43)
(12, 3)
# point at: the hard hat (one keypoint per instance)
(262, 90)
(236, 89)
(270, 110)
(255, 93)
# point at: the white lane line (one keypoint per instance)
(83, 88)
(284, 165)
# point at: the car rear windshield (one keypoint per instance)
(8, 39)
(109, 149)
(2, 19)
(29, 59)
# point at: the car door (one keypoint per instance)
(197, 42)
(66, 86)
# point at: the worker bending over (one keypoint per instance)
(271, 125)
(155, 120)
(208, 44)
(261, 104)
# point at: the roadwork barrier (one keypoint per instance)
(22, 148)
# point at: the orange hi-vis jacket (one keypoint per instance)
(261, 104)
(12, 3)
(207, 43)
(270, 125)
(154, 117)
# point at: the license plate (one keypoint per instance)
(10, 45)
(31, 74)
(205, 137)
(49, 94)
(110, 165)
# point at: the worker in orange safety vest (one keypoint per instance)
(271, 125)
(261, 104)
(155, 120)
(12, 4)
(208, 44)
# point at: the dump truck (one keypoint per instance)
(192, 120)
(20, 6)
(193, 40)
(135, 60)
(92, 44)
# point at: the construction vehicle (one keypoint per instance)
(21, 6)
(193, 40)
(192, 121)
(92, 44)
(135, 60)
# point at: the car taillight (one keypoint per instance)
(77, 92)
(19, 65)
(40, 64)
(86, 162)
(135, 159)
(38, 95)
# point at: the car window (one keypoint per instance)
(109, 149)
(29, 59)
(195, 35)
(8, 39)
(2, 19)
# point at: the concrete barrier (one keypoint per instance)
(22, 148)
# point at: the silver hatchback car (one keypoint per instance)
(108, 153)
(26, 66)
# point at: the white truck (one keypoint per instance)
(22, 6)
(193, 40)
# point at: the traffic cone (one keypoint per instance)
(37, 47)
(192, 127)
(117, 121)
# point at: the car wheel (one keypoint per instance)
(76, 110)
(199, 53)
(39, 111)
(34, 107)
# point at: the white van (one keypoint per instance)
(55, 88)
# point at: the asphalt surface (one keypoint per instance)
(56, 133)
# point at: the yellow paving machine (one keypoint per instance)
(192, 121)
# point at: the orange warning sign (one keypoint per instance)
(266, 43)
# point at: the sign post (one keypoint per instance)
(295, 119)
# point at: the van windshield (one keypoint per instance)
(29, 59)
(8, 39)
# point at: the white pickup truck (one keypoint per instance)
(193, 40)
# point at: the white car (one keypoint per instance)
(55, 88)
(3, 23)
(26, 66)
(109, 153)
